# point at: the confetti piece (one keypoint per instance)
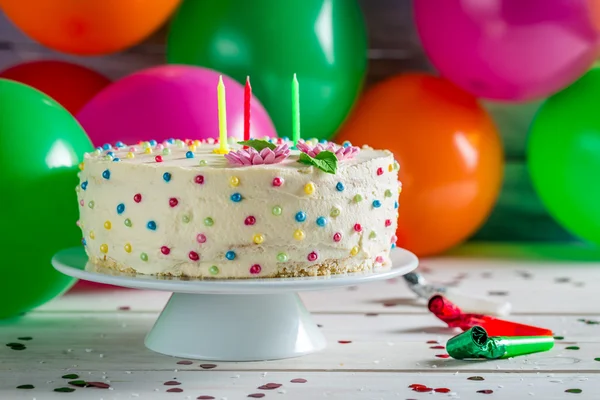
(573, 391)
(175, 390)
(572, 348)
(476, 378)
(442, 355)
(422, 389)
(597, 359)
(559, 337)
(171, 383)
(205, 398)
(371, 314)
(124, 308)
(432, 342)
(485, 391)
(70, 376)
(25, 387)
(414, 385)
(185, 362)
(270, 386)
(298, 380)
(98, 385)
(25, 338)
(208, 366)
(498, 293)
(437, 347)
(441, 390)
(64, 390)
(344, 341)
(256, 395)
(78, 383)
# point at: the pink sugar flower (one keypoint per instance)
(250, 156)
(342, 153)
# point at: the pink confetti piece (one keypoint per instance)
(175, 390)
(298, 380)
(185, 362)
(256, 395)
(208, 366)
(171, 383)
(270, 386)
(344, 341)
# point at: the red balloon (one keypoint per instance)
(69, 84)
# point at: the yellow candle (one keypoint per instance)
(223, 147)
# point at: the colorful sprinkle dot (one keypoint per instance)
(199, 179)
(276, 210)
(92, 235)
(104, 248)
(166, 151)
(379, 260)
(130, 155)
(395, 204)
(147, 150)
(202, 163)
(106, 174)
(151, 225)
(299, 234)
(236, 197)
(340, 187)
(107, 225)
(116, 159)
(312, 256)
(337, 237)
(144, 257)
(127, 222)
(321, 221)
(346, 144)
(214, 270)
(192, 255)
(173, 202)
(127, 247)
(354, 251)
(230, 255)
(376, 203)
(190, 154)
(335, 211)
(282, 257)
(388, 222)
(388, 193)
(152, 142)
(393, 246)
(81, 166)
(137, 198)
(201, 238)
(167, 176)
(379, 171)
(165, 250)
(357, 227)
(91, 204)
(250, 220)
(208, 221)
(84, 185)
(106, 146)
(300, 216)
(108, 158)
(234, 181)
(185, 219)
(309, 188)
(120, 208)
(258, 238)
(158, 159)
(357, 198)
(277, 181)
(255, 269)
(83, 241)
(390, 167)
(372, 235)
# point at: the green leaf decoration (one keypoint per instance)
(326, 161)
(257, 144)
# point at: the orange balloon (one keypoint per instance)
(449, 151)
(88, 27)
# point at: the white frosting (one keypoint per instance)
(107, 236)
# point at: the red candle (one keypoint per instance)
(247, 99)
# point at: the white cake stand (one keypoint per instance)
(232, 320)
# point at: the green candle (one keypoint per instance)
(295, 111)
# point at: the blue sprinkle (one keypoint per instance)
(151, 225)
(116, 159)
(376, 203)
(167, 176)
(323, 141)
(152, 142)
(230, 255)
(395, 204)
(107, 146)
(99, 148)
(106, 174)
(393, 245)
(120, 208)
(120, 144)
(84, 185)
(189, 154)
(347, 144)
(300, 216)
(110, 153)
(321, 221)
(171, 141)
(340, 187)
(236, 197)
(286, 138)
(83, 242)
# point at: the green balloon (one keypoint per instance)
(563, 154)
(42, 145)
(323, 41)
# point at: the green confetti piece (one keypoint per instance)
(79, 383)
(573, 391)
(572, 348)
(64, 390)
(26, 387)
(70, 376)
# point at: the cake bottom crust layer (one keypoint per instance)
(110, 266)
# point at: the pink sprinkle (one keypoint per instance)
(173, 201)
(337, 237)
(137, 198)
(255, 269)
(312, 256)
(193, 256)
(165, 250)
(160, 146)
(250, 220)
(132, 149)
(199, 179)
(277, 181)
(379, 260)
(388, 222)
(81, 204)
(379, 171)
(357, 227)
(158, 158)
(394, 238)
(298, 380)
(201, 238)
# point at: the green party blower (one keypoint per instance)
(475, 343)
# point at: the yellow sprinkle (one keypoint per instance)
(399, 187)
(234, 181)
(299, 234)
(197, 143)
(148, 150)
(192, 147)
(258, 238)
(354, 251)
(107, 225)
(104, 248)
(92, 235)
(309, 188)
(127, 247)
(130, 155)
(81, 166)
(390, 167)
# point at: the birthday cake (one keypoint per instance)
(180, 208)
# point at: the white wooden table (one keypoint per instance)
(380, 340)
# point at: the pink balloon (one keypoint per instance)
(169, 101)
(509, 49)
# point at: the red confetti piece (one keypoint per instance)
(441, 390)
(298, 380)
(485, 391)
(175, 390)
(432, 342)
(270, 386)
(476, 378)
(98, 385)
(208, 366)
(124, 308)
(415, 385)
(185, 362)
(344, 341)
(205, 398)
(422, 389)
(389, 304)
(256, 395)
(437, 347)
(442, 355)
(171, 383)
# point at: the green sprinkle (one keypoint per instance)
(357, 198)
(202, 163)
(388, 193)
(282, 257)
(276, 210)
(127, 222)
(214, 270)
(372, 235)
(334, 212)
(91, 204)
(166, 151)
(208, 221)
(144, 257)
(185, 219)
